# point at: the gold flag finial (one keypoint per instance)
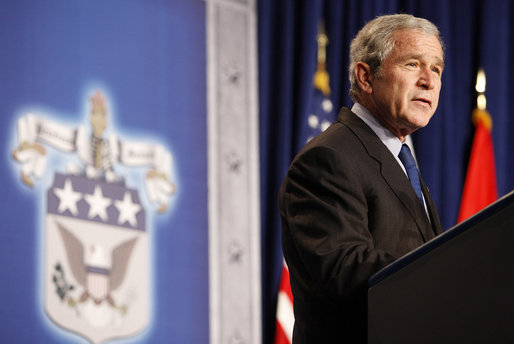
(321, 78)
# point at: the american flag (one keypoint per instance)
(319, 118)
(285, 315)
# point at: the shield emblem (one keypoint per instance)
(96, 258)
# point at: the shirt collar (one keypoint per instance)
(391, 141)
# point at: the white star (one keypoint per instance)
(97, 204)
(324, 125)
(127, 209)
(313, 121)
(326, 105)
(68, 198)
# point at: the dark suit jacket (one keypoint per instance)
(347, 210)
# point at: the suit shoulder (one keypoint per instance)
(338, 136)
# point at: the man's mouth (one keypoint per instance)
(424, 101)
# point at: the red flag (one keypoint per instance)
(285, 315)
(480, 185)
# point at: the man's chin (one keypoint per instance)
(410, 127)
(420, 120)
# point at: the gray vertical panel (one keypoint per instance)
(234, 226)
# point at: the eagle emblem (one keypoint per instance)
(96, 250)
(97, 278)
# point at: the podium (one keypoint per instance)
(456, 288)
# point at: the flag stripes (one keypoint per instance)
(285, 314)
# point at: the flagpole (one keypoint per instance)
(480, 113)
(321, 79)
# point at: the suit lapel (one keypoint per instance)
(390, 170)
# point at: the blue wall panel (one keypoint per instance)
(148, 59)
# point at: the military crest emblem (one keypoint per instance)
(97, 277)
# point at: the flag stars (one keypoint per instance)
(127, 209)
(324, 125)
(326, 105)
(313, 121)
(68, 198)
(97, 204)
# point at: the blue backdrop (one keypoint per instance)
(148, 58)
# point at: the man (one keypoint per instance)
(347, 205)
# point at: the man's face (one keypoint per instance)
(406, 89)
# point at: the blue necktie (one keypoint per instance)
(412, 170)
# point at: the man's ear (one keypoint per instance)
(363, 77)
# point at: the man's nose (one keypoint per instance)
(426, 79)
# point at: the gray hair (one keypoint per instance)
(375, 41)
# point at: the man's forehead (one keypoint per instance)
(418, 44)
